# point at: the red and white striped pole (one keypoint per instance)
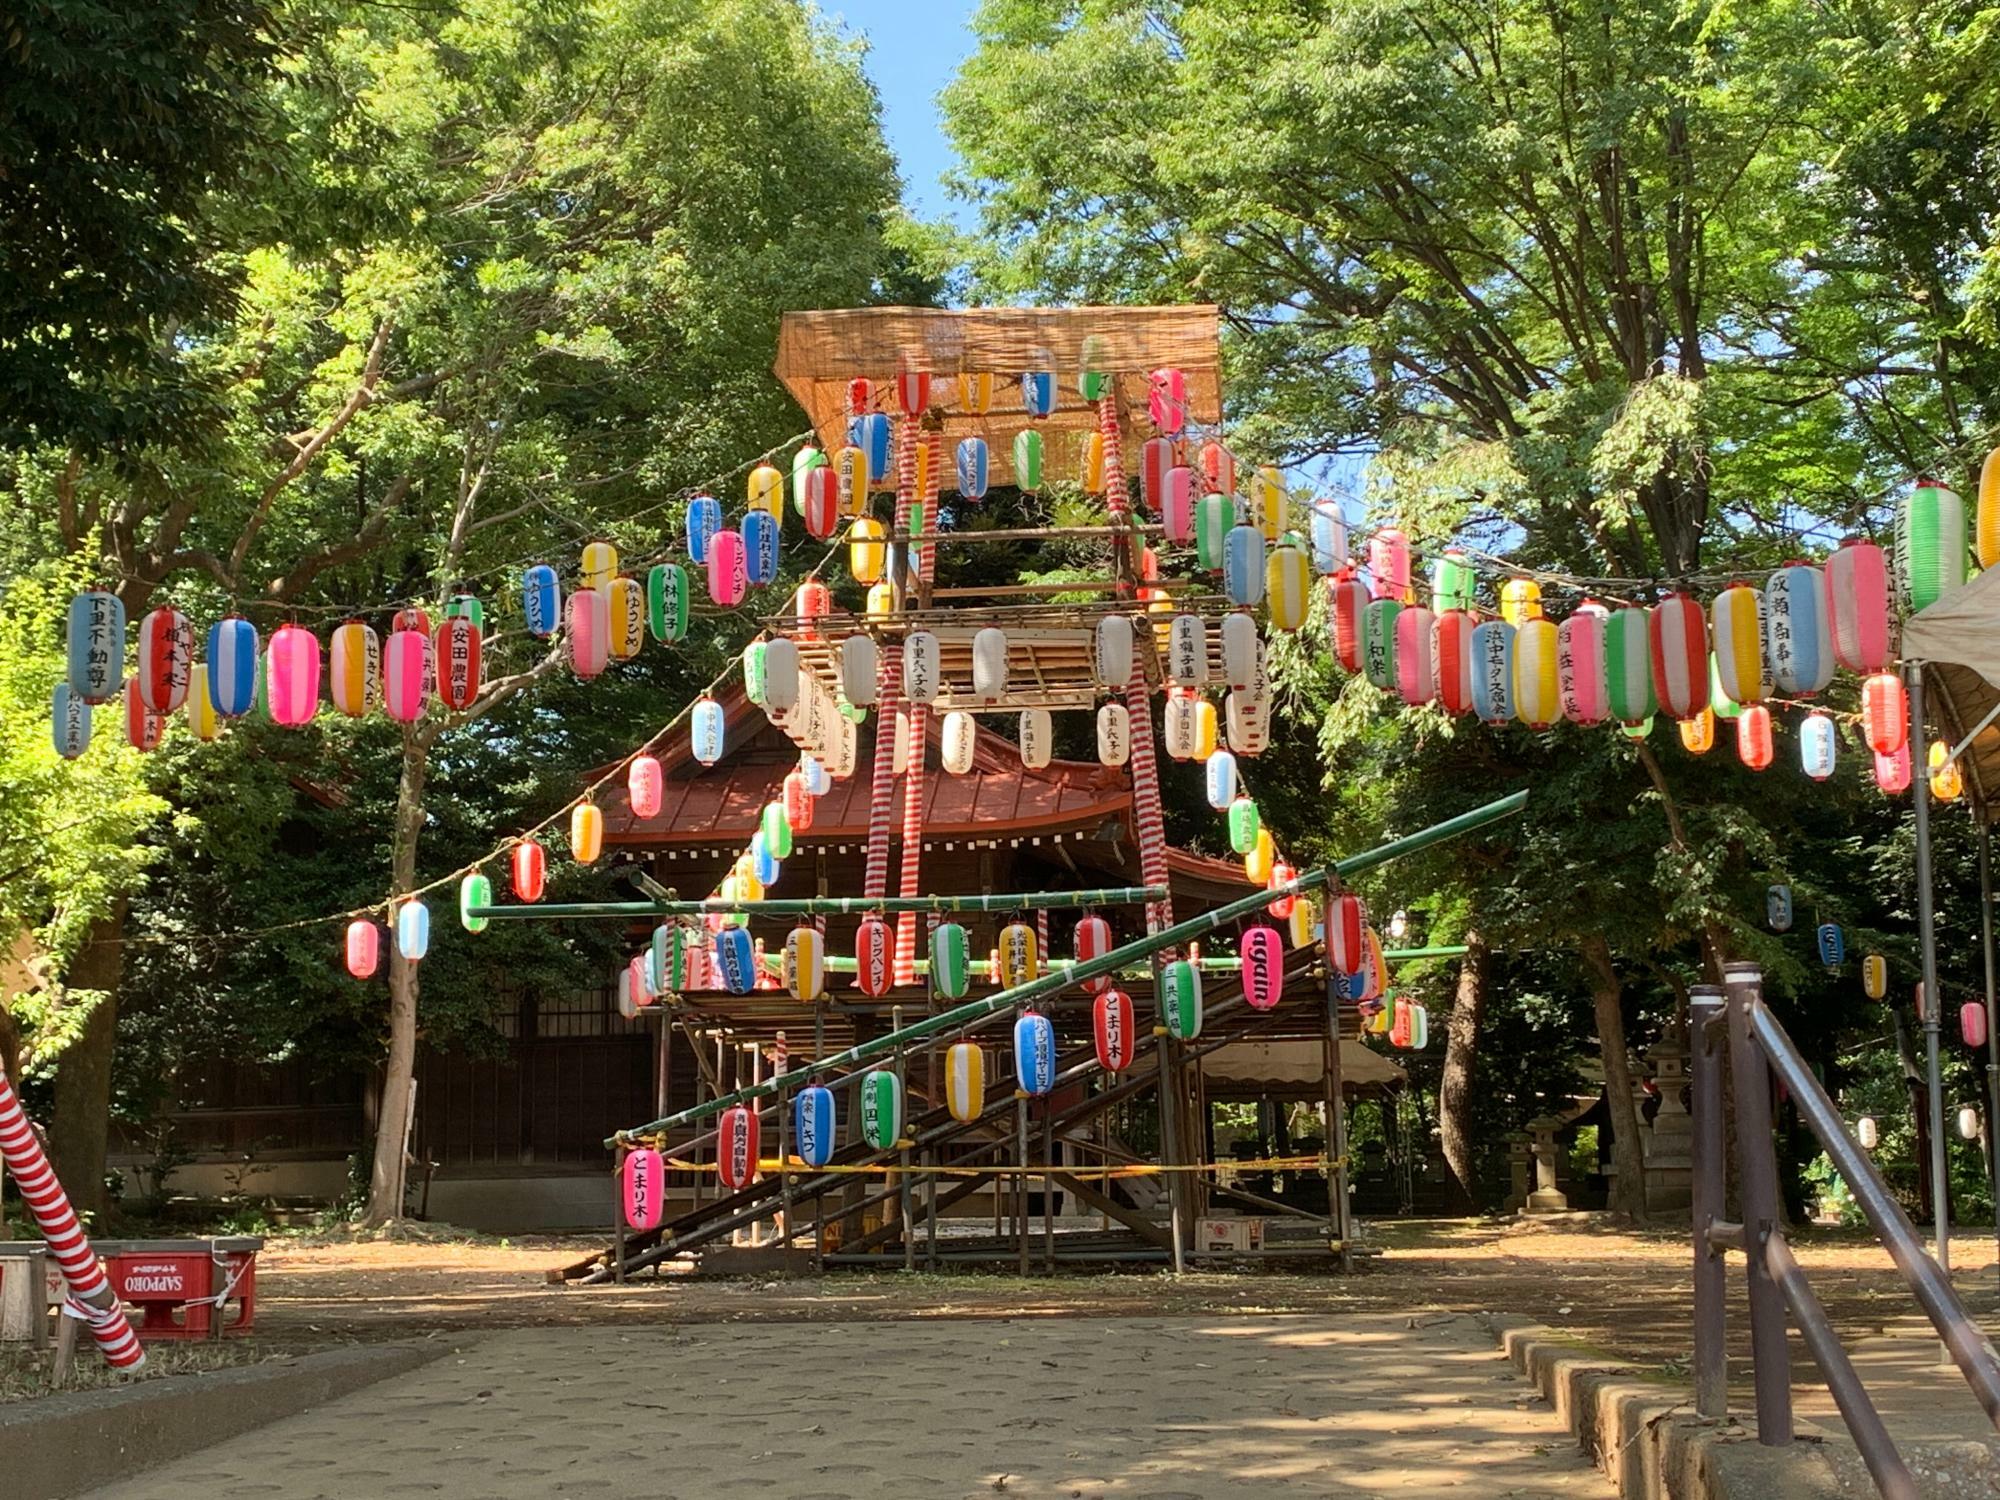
(923, 517)
(90, 1294)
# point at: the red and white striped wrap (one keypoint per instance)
(1146, 813)
(90, 1294)
(923, 517)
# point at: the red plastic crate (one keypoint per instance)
(175, 1285)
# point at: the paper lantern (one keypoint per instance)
(667, 601)
(775, 830)
(1798, 630)
(1114, 735)
(459, 652)
(1818, 746)
(541, 600)
(1679, 637)
(202, 718)
(823, 503)
(1036, 737)
(1628, 665)
(1166, 400)
(765, 492)
(819, 781)
(764, 868)
(1778, 908)
(1156, 461)
(1180, 1000)
(810, 605)
(1282, 874)
(1177, 505)
(1262, 960)
(806, 462)
(1832, 945)
(881, 602)
(760, 549)
(1719, 702)
(860, 395)
(874, 956)
(1328, 533)
(1930, 545)
(1416, 663)
(356, 668)
(413, 930)
(1288, 586)
(813, 1125)
(1892, 772)
(143, 727)
(1580, 668)
(899, 734)
(589, 632)
(1520, 601)
(860, 662)
(529, 866)
(1242, 650)
(1111, 652)
(1378, 642)
(635, 984)
(756, 682)
(1451, 660)
(69, 723)
(1090, 463)
(1739, 643)
(232, 666)
(850, 480)
(1493, 671)
(293, 662)
(1019, 954)
(804, 966)
(1034, 1053)
(704, 521)
(922, 670)
(1028, 461)
(1038, 392)
(1753, 737)
(1875, 976)
(642, 1178)
(727, 578)
(798, 802)
(1219, 776)
(1388, 564)
(781, 674)
(1243, 566)
(705, 730)
(735, 955)
(964, 1080)
(1262, 859)
(1113, 1030)
(1187, 649)
(1267, 501)
(1857, 593)
(1972, 1030)
(364, 948)
(1346, 930)
(1866, 1133)
(97, 646)
(586, 832)
(645, 785)
(474, 890)
(1453, 583)
(1302, 923)
(1249, 721)
(165, 661)
(959, 738)
(406, 670)
(870, 433)
(1885, 713)
(1987, 525)
(1537, 676)
(1244, 824)
(1374, 968)
(737, 1145)
(867, 550)
(1947, 782)
(989, 664)
(1968, 1115)
(951, 968)
(600, 559)
(1698, 733)
(881, 1109)
(1214, 517)
(1091, 940)
(1218, 468)
(1178, 723)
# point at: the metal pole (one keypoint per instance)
(1864, 1423)
(1969, 1348)
(903, 1161)
(784, 1154)
(1021, 1178)
(1757, 1165)
(1711, 1272)
(1338, 1229)
(1992, 1031)
(618, 1214)
(1920, 773)
(1169, 1132)
(1049, 1189)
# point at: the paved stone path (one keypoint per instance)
(1352, 1407)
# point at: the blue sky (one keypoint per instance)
(914, 48)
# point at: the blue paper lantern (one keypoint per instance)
(818, 780)
(873, 439)
(1819, 745)
(1035, 1053)
(70, 723)
(1221, 780)
(413, 930)
(735, 958)
(1778, 908)
(232, 666)
(704, 519)
(1329, 538)
(705, 730)
(96, 646)
(1832, 945)
(972, 467)
(1493, 671)
(1243, 566)
(763, 861)
(1038, 392)
(813, 1126)
(541, 600)
(760, 547)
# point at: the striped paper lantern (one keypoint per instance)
(950, 961)
(1180, 1000)
(1930, 545)
(1416, 663)
(813, 1125)
(165, 661)
(1580, 668)
(1986, 528)
(1034, 1053)
(1113, 1030)
(1214, 515)
(1166, 400)
(356, 668)
(1679, 640)
(232, 666)
(1346, 932)
(406, 664)
(1857, 593)
(736, 958)
(1537, 676)
(1328, 531)
(727, 574)
(764, 491)
(1018, 952)
(1028, 461)
(1738, 616)
(1798, 630)
(1092, 939)
(1388, 564)
(589, 632)
(1177, 503)
(881, 1109)
(143, 727)
(1493, 671)
(667, 601)
(1218, 468)
(913, 392)
(738, 1139)
(600, 559)
(964, 1080)
(1267, 501)
(824, 504)
(871, 435)
(803, 971)
(1156, 461)
(1628, 665)
(293, 665)
(1244, 566)
(1379, 642)
(1038, 392)
(1453, 583)
(1452, 659)
(1288, 586)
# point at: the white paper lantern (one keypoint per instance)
(1114, 735)
(860, 661)
(1037, 738)
(781, 673)
(1867, 1132)
(1187, 651)
(989, 664)
(961, 733)
(1111, 654)
(1179, 726)
(899, 751)
(921, 675)
(1242, 649)
(843, 751)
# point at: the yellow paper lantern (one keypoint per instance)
(1262, 856)
(867, 549)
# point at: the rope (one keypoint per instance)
(1101, 1173)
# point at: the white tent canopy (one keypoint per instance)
(1958, 640)
(1279, 1066)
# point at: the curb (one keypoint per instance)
(64, 1445)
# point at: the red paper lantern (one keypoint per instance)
(811, 604)
(798, 802)
(1753, 737)
(458, 653)
(530, 870)
(1347, 933)
(364, 947)
(1451, 659)
(1680, 656)
(1972, 1023)
(1892, 772)
(736, 1142)
(874, 956)
(1347, 599)
(1093, 940)
(1885, 713)
(860, 395)
(1112, 1029)
(1262, 960)
(1282, 874)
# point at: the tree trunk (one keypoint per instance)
(80, 1130)
(1468, 1006)
(1918, 1089)
(1628, 1183)
(387, 1174)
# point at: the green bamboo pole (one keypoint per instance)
(1108, 963)
(836, 965)
(817, 906)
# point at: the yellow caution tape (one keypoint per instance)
(1103, 1173)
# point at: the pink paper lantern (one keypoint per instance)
(1262, 960)
(727, 576)
(293, 664)
(406, 662)
(643, 1181)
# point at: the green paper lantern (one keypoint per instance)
(881, 1109)
(1930, 545)
(1028, 459)
(1245, 823)
(1214, 518)
(777, 830)
(1378, 642)
(474, 890)
(667, 602)
(951, 967)
(1180, 1000)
